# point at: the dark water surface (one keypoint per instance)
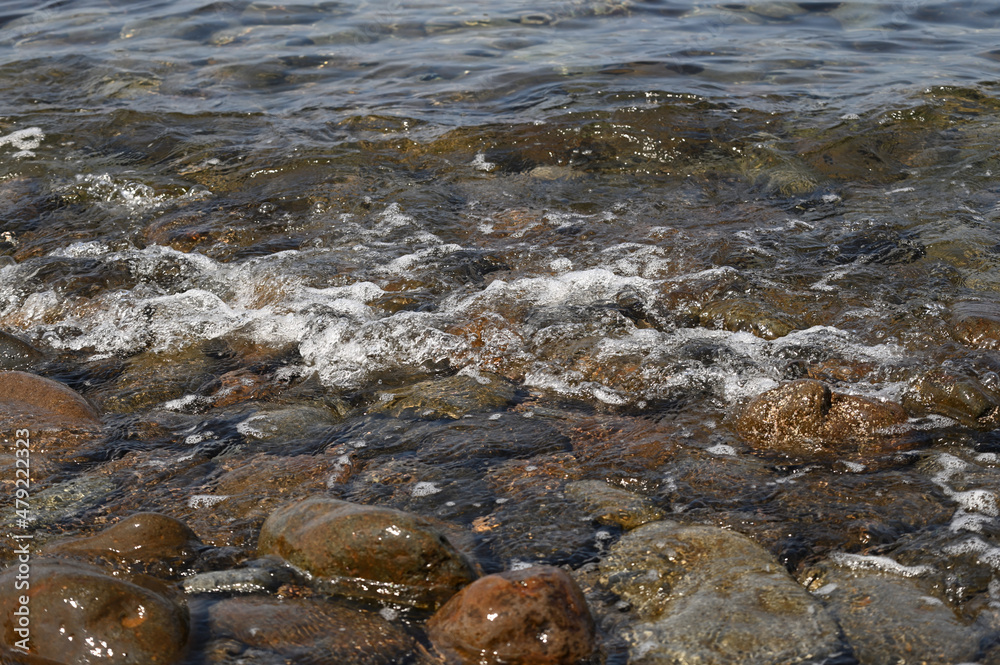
(244, 230)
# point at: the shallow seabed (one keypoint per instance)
(458, 259)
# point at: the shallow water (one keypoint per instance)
(239, 227)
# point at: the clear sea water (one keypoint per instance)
(569, 194)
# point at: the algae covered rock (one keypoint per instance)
(708, 596)
(613, 505)
(368, 551)
(533, 616)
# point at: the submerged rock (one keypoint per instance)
(956, 394)
(81, 615)
(709, 596)
(533, 616)
(43, 403)
(368, 551)
(747, 316)
(613, 505)
(15, 353)
(308, 631)
(976, 324)
(805, 418)
(144, 542)
(888, 617)
(452, 397)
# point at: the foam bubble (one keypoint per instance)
(25, 141)
(425, 488)
(880, 563)
(206, 500)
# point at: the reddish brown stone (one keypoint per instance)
(977, 324)
(534, 616)
(805, 417)
(137, 542)
(43, 402)
(81, 615)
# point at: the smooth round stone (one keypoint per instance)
(368, 550)
(140, 541)
(535, 616)
(44, 403)
(706, 595)
(79, 614)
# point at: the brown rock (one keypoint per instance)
(368, 550)
(43, 402)
(536, 615)
(976, 324)
(956, 394)
(138, 542)
(315, 631)
(805, 417)
(747, 316)
(81, 615)
(452, 397)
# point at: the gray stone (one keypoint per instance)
(613, 505)
(702, 595)
(893, 618)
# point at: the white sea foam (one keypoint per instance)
(206, 500)
(880, 563)
(425, 488)
(25, 141)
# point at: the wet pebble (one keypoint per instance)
(266, 576)
(976, 324)
(143, 542)
(535, 616)
(700, 594)
(308, 631)
(15, 353)
(79, 614)
(368, 551)
(805, 418)
(452, 397)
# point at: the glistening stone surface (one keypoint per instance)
(535, 616)
(358, 548)
(79, 614)
(702, 595)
